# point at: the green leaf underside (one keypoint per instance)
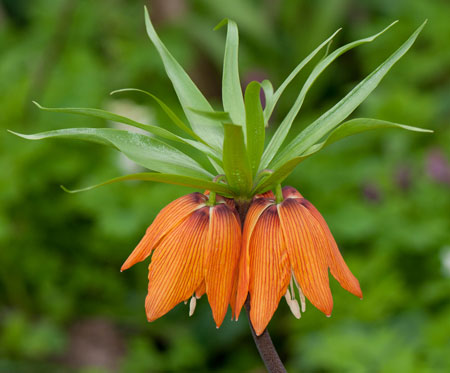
(233, 102)
(268, 94)
(283, 129)
(220, 116)
(175, 119)
(191, 182)
(189, 95)
(329, 120)
(103, 114)
(254, 124)
(199, 144)
(346, 129)
(272, 100)
(145, 151)
(235, 161)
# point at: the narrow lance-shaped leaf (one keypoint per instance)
(283, 130)
(175, 119)
(191, 182)
(273, 99)
(329, 120)
(277, 176)
(268, 95)
(359, 125)
(158, 131)
(349, 128)
(254, 124)
(102, 114)
(188, 93)
(198, 143)
(233, 102)
(145, 151)
(221, 116)
(235, 161)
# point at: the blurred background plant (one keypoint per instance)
(64, 306)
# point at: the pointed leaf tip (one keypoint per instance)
(222, 23)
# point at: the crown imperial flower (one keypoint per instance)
(196, 250)
(196, 240)
(285, 243)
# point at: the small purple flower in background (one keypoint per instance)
(437, 166)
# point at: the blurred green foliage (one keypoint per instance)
(64, 306)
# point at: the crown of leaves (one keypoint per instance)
(234, 139)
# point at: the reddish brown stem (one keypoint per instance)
(264, 344)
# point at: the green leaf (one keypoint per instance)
(283, 129)
(189, 95)
(145, 151)
(219, 116)
(97, 113)
(355, 126)
(273, 99)
(175, 119)
(277, 176)
(349, 128)
(268, 95)
(191, 182)
(329, 120)
(152, 129)
(235, 161)
(254, 124)
(233, 102)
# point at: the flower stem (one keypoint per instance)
(264, 344)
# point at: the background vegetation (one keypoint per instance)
(64, 305)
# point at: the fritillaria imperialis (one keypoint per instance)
(196, 240)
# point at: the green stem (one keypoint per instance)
(264, 344)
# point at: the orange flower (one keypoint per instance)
(285, 243)
(196, 251)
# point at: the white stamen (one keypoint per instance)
(295, 308)
(185, 302)
(302, 296)
(291, 286)
(302, 299)
(192, 305)
(288, 296)
(293, 304)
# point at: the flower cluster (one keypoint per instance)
(198, 248)
(200, 243)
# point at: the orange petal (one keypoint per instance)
(306, 248)
(291, 192)
(167, 219)
(268, 194)
(176, 270)
(222, 255)
(338, 268)
(269, 269)
(200, 290)
(256, 209)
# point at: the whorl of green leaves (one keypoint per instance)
(233, 139)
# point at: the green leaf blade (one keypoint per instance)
(191, 182)
(103, 114)
(272, 99)
(283, 129)
(233, 102)
(143, 150)
(188, 94)
(329, 120)
(254, 124)
(169, 112)
(235, 160)
(346, 129)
